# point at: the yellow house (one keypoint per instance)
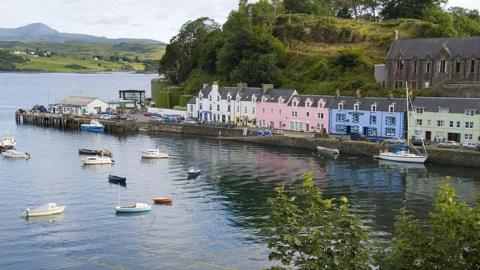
(441, 119)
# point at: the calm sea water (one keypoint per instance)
(215, 220)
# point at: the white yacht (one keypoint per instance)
(154, 153)
(16, 154)
(44, 210)
(97, 160)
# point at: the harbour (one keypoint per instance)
(215, 219)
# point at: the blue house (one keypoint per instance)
(372, 117)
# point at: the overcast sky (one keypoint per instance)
(155, 19)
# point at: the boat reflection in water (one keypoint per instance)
(47, 219)
(401, 166)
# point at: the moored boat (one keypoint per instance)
(93, 126)
(117, 179)
(97, 160)
(194, 172)
(91, 152)
(327, 151)
(133, 208)
(16, 154)
(154, 153)
(44, 210)
(162, 200)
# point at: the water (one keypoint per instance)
(215, 220)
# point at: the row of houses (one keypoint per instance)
(437, 119)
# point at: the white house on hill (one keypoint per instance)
(82, 105)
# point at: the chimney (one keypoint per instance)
(266, 87)
(358, 94)
(241, 85)
(215, 85)
(395, 35)
(204, 85)
(337, 93)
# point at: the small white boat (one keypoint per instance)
(94, 126)
(97, 160)
(154, 153)
(44, 210)
(16, 154)
(8, 142)
(327, 151)
(133, 208)
(402, 156)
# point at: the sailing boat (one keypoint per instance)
(403, 154)
(137, 207)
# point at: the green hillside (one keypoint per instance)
(80, 57)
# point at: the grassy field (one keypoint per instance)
(79, 57)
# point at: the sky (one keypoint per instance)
(154, 19)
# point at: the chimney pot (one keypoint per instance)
(266, 87)
(337, 93)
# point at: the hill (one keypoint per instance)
(39, 32)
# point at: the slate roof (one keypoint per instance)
(246, 93)
(456, 105)
(206, 91)
(192, 100)
(366, 103)
(273, 95)
(225, 90)
(303, 98)
(429, 47)
(77, 101)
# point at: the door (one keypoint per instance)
(428, 135)
(307, 127)
(453, 137)
(414, 84)
(349, 129)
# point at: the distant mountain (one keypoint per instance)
(39, 32)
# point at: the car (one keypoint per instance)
(418, 142)
(156, 118)
(395, 140)
(190, 121)
(39, 108)
(470, 145)
(449, 144)
(147, 114)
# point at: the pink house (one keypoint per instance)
(307, 114)
(271, 108)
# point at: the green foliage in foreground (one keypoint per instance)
(307, 231)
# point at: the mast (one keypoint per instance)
(408, 111)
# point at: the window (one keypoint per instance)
(427, 67)
(320, 115)
(414, 66)
(279, 124)
(372, 132)
(391, 108)
(468, 136)
(280, 112)
(210, 107)
(271, 124)
(451, 124)
(228, 108)
(340, 117)
(458, 124)
(373, 108)
(356, 106)
(271, 110)
(399, 84)
(470, 112)
(340, 106)
(263, 123)
(356, 118)
(468, 124)
(440, 123)
(391, 121)
(218, 98)
(308, 104)
(308, 114)
(355, 129)
(294, 103)
(200, 106)
(253, 110)
(228, 98)
(443, 66)
(419, 110)
(443, 110)
(373, 119)
(429, 122)
(457, 66)
(294, 114)
(210, 97)
(472, 66)
(340, 128)
(419, 122)
(218, 107)
(390, 132)
(399, 65)
(245, 109)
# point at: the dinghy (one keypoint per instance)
(194, 172)
(97, 160)
(154, 153)
(15, 154)
(133, 208)
(327, 151)
(44, 210)
(117, 179)
(162, 200)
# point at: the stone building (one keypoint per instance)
(424, 63)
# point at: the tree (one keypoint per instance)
(310, 232)
(449, 239)
(393, 9)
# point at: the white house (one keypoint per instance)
(82, 105)
(192, 108)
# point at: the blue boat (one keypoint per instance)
(94, 126)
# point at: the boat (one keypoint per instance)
(117, 179)
(44, 210)
(162, 200)
(16, 154)
(400, 152)
(154, 153)
(93, 126)
(194, 172)
(90, 152)
(8, 142)
(327, 151)
(133, 208)
(97, 160)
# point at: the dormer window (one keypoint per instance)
(307, 104)
(218, 98)
(228, 98)
(419, 110)
(373, 108)
(340, 106)
(356, 107)
(295, 103)
(391, 108)
(470, 112)
(443, 110)
(321, 104)
(210, 97)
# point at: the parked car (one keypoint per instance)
(147, 114)
(39, 108)
(156, 118)
(449, 144)
(418, 141)
(357, 137)
(395, 140)
(470, 145)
